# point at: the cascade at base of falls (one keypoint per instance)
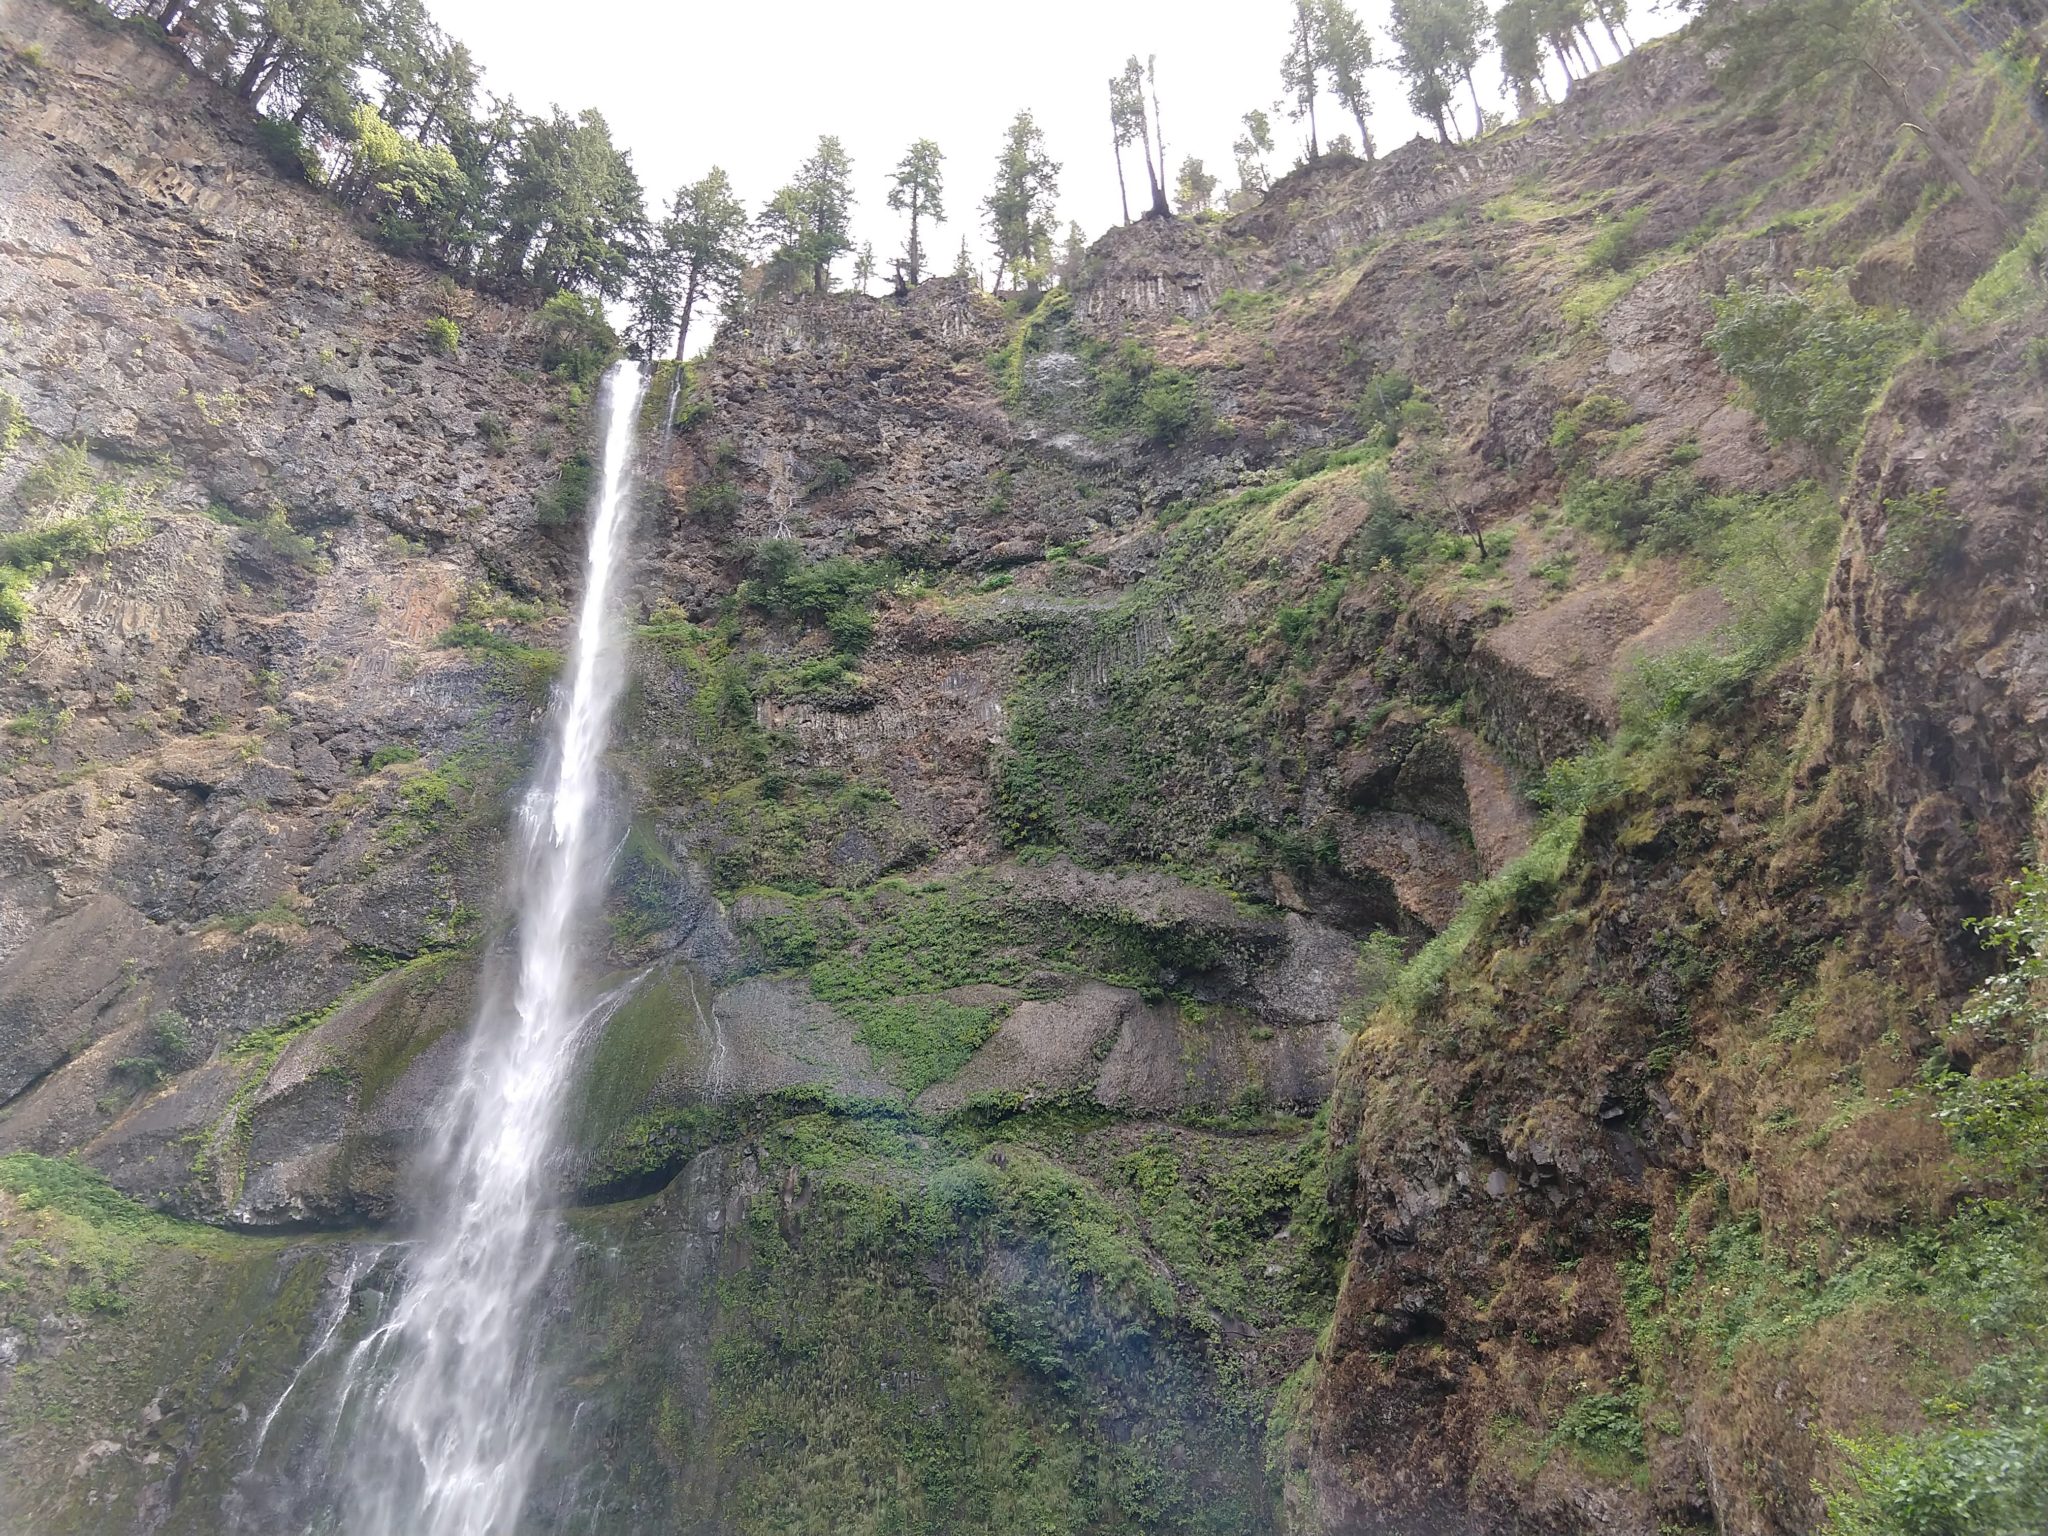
(443, 1405)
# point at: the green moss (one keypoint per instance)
(921, 1040)
(1518, 890)
(567, 496)
(918, 942)
(1810, 359)
(523, 671)
(63, 538)
(650, 1037)
(123, 1309)
(1134, 390)
(1035, 331)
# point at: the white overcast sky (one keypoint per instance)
(751, 86)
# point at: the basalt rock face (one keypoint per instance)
(1143, 997)
(228, 799)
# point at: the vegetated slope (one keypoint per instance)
(1373, 624)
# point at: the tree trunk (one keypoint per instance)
(1612, 41)
(172, 11)
(1151, 176)
(1478, 112)
(689, 303)
(1443, 134)
(1122, 194)
(1587, 38)
(1957, 167)
(263, 86)
(247, 85)
(1315, 150)
(1564, 65)
(1364, 136)
(1159, 136)
(1931, 20)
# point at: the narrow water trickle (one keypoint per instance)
(445, 1399)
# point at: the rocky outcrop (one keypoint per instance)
(1128, 951)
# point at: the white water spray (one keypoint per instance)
(449, 1401)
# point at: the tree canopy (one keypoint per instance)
(1020, 207)
(697, 256)
(917, 187)
(373, 101)
(807, 225)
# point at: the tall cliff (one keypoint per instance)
(1314, 885)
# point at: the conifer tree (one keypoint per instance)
(1347, 55)
(1126, 117)
(807, 224)
(1250, 149)
(1301, 71)
(1073, 255)
(918, 189)
(570, 211)
(1438, 46)
(1020, 206)
(1518, 35)
(697, 257)
(1128, 109)
(1195, 191)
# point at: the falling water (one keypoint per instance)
(447, 1399)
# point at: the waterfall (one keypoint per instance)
(447, 1404)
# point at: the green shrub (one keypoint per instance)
(61, 479)
(443, 335)
(1921, 535)
(1965, 1478)
(1378, 411)
(1390, 536)
(286, 148)
(576, 341)
(1810, 360)
(384, 757)
(493, 432)
(138, 1071)
(1666, 515)
(1171, 406)
(13, 425)
(170, 1049)
(833, 475)
(569, 496)
(1572, 786)
(836, 592)
(852, 630)
(1597, 413)
(44, 549)
(715, 501)
(277, 535)
(170, 1033)
(1134, 390)
(1517, 892)
(1613, 246)
(921, 1040)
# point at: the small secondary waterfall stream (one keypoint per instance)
(450, 1412)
